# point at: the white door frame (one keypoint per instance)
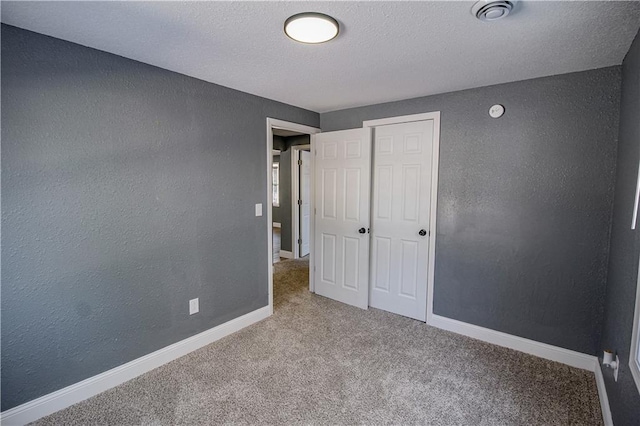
(435, 157)
(294, 127)
(295, 190)
(312, 208)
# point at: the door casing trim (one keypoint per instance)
(295, 189)
(295, 127)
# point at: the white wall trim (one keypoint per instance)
(634, 350)
(63, 398)
(433, 208)
(312, 208)
(286, 254)
(602, 395)
(270, 213)
(542, 350)
(403, 119)
(295, 190)
(531, 347)
(295, 247)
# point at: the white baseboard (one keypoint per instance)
(602, 394)
(542, 350)
(286, 254)
(63, 398)
(277, 225)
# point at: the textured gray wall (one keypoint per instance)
(126, 191)
(524, 203)
(625, 249)
(279, 143)
(298, 140)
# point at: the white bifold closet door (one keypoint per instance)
(400, 218)
(342, 203)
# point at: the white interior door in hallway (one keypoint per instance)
(305, 201)
(342, 203)
(400, 218)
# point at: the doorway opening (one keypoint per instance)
(290, 190)
(291, 194)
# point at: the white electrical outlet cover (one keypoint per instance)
(194, 306)
(259, 209)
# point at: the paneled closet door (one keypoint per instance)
(400, 218)
(342, 204)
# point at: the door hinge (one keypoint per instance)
(299, 241)
(299, 162)
(299, 202)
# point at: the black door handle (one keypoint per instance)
(362, 230)
(422, 232)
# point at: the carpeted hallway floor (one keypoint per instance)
(316, 361)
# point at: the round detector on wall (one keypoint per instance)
(496, 111)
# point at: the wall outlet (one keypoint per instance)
(194, 306)
(259, 209)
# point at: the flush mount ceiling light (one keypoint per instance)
(492, 10)
(311, 27)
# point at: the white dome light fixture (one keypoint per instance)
(311, 27)
(492, 10)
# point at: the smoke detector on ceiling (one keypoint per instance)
(492, 10)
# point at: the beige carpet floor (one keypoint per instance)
(317, 361)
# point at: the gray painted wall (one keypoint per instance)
(524, 202)
(298, 140)
(120, 203)
(279, 143)
(624, 399)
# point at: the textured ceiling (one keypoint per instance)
(386, 50)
